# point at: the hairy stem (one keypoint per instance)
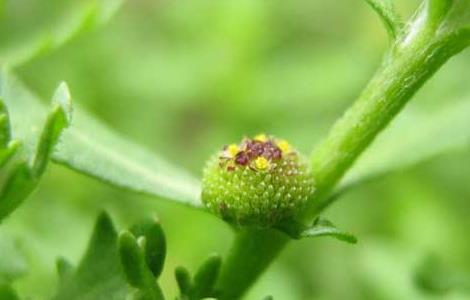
(413, 58)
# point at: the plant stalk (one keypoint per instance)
(413, 58)
(251, 253)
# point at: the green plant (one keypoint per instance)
(134, 259)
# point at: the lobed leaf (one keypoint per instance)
(205, 277)
(183, 279)
(135, 267)
(154, 247)
(98, 276)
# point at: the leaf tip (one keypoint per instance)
(63, 100)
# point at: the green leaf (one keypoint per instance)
(205, 277)
(93, 149)
(320, 227)
(86, 16)
(390, 18)
(89, 147)
(23, 177)
(16, 188)
(183, 279)
(8, 152)
(56, 122)
(99, 275)
(154, 246)
(135, 267)
(412, 139)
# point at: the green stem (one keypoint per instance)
(412, 60)
(251, 253)
(410, 65)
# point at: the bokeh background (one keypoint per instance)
(182, 78)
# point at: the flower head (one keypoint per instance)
(260, 181)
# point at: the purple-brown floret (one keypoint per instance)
(251, 149)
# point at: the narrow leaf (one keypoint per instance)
(390, 18)
(325, 228)
(17, 186)
(154, 246)
(320, 227)
(183, 279)
(206, 276)
(56, 122)
(90, 147)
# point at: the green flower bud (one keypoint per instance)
(259, 182)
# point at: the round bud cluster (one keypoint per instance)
(259, 182)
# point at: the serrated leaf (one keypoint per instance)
(205, 277)
(412, 139)
(87, 15)
(99, 275)
(388, 15)
(89, 147)
(136, 269)
(154, 246)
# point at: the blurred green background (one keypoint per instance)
(184, 77)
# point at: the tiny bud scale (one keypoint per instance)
(259, 182)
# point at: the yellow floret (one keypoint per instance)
(261, 137)
(261, 163)
(233, 150)
(284, 146)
